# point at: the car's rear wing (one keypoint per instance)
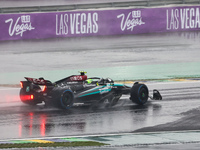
(39, 81)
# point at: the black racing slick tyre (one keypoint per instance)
(66, 99)
(139, 94)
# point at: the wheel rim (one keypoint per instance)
(67, 100)
(143, 95)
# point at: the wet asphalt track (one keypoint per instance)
(179, 109)
(145, 56)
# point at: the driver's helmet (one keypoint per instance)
(89, 81)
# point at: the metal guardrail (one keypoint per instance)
(144, 3)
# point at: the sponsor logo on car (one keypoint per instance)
(104, 90)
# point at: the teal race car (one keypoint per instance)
(81, 89)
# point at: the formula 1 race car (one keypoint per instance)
(80, 89)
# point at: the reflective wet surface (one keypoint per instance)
(18, 120)
(148, 56)
(53, 59)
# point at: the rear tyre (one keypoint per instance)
(66, 99)
(139, 94)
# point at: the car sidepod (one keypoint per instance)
(93, 93)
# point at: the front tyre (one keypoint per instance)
(67, 99)
(139, 94)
